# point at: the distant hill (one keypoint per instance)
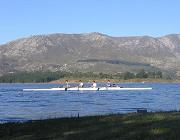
(93, 52)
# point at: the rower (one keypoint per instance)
(81, 84)
(67, 84)
(94, 85)
(109, 83)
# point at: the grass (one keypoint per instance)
(136, 126)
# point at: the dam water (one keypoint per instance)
(16, 105)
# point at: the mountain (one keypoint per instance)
(91, 52)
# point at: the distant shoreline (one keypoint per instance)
(61, 81)
(71, 81)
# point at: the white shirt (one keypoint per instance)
(94, 85)
(67, 84)
(108, 84)
(81, 84)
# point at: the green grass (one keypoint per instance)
(149, 126)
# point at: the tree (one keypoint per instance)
(128, 75)
(159, 74)
(142, 74)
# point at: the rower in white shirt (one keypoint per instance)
(67, 84)
(109, 83)
(94, 85)
(81, 84)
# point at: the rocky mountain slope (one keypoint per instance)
(91, 52)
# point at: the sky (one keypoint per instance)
(23, 18)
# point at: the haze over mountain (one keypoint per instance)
(93, 52)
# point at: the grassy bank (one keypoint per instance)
(150, 126)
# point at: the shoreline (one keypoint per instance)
(100, 81)
(74, 80)
(62, 81)
(136, 126)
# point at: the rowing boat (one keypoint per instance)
(87, 89)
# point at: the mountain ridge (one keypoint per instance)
(64, 51)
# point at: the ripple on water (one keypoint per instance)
(36, 105)
(5, 120)
(21, 101)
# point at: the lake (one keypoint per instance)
(16, 105)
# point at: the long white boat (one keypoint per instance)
(88, 89)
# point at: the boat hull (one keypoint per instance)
(87, 89)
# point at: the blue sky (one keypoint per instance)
(22, 18)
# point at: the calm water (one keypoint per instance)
(18, 105)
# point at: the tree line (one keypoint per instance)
(42, 77)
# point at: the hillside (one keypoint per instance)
(91, 52)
